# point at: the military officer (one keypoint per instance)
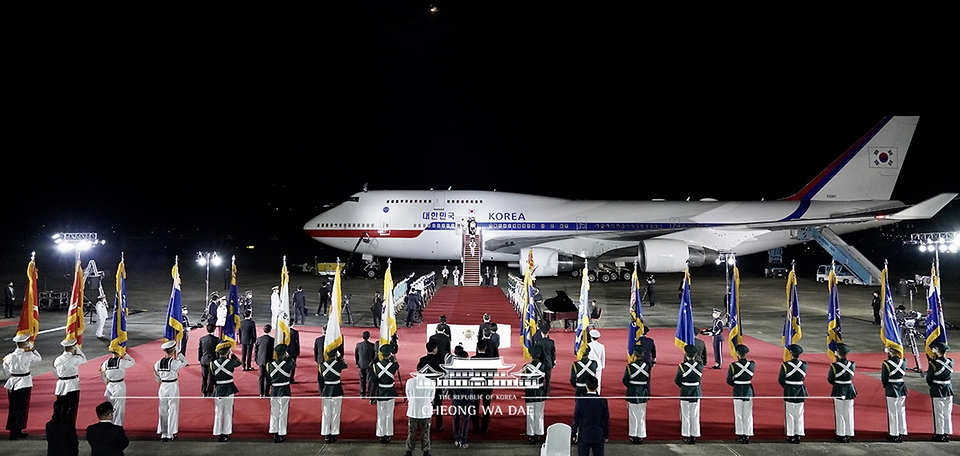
(113, 371)
(740, 377)
(20, 384)
(222, 371)
(535, 394)
(67, 368)
(280, 371)
(939, 374)
(385, 371)
(716, 331)
(167, 371)
(580, 370)
(636, 377)
(688, 377)
(892, 372)
(840, 376)
(332, 393)
(791, 377)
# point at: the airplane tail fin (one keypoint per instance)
(868, 170)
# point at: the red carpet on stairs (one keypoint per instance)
(466, 305)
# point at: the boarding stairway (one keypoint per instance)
(471, 253)
(842, 253)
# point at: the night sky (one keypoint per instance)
(242, 119)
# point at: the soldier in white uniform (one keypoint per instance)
(167, 371)
(101, 316)
(19, 385)
(67, 369)
(113, 371)
(598, 353)
(840, 376)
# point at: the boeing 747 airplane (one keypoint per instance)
(851, 194)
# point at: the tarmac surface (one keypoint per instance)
(763, 302)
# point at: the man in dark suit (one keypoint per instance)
(293, 349)
(206, 354)
(8, 301)
(431, 366)
(263, 355)
(548, 355)
(104, 437)
(493, 343)
(442, 339)
(365, 355)
(591, 421)
(248, 335)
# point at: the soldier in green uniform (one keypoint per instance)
(224, 390)
(939, 374)
(385, 371)
(636, 377)
(580, 370)
(840, 376)
(280, 371)
(532, 372)
(791, 377)
(689, 373)
(740, 377)
(891, 377)
(331, 370)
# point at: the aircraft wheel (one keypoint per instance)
(604, 277)
(591, 276)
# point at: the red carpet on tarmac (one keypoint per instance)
(466, 306)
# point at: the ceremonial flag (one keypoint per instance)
(118, 332)
(334, 339)
(75, 323)
(889, 327)
(233, 308)
(282, 316)
(528, 322)
(735, 333)
(834, 333)
(581, 334)
(388, 314)
(30, 312)
(685, 333)
(174, 327)
(636, 328)
(936, 328)
(791, 320)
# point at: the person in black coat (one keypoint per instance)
(293, 349)
(104, 437)
(206, 353)
(61, 432)
(591, 421)
(248, 335)
(262, 355)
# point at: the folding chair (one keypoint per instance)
(557, 442)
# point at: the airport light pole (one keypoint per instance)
(204, 259)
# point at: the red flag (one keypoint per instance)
(75, 313)
(30, 313)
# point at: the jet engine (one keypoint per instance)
(549, 262)
(666, 255)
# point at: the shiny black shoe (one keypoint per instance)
(845, 439)
(716, 366)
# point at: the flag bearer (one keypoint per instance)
(385, 371)
(332, 393)
(840, 376)
(113, 371)
(791, 377)
(535, 396)
(740, 377)
(689, 373)
(167, 371)
(281, 370)
(224, 390)
(939, 374)
(891, 377)
(636, 377)
(581, 369)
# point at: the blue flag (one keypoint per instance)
(834, 331)
(889, 327)
(528, 327)
(735, 335)
(233, 309)
(118, 331)
(791, 321)
(685, 332)
(581, 334)
(174, 326)
(936, 328)
(637, 327)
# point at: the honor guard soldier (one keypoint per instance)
(791, 377)
(581, 370)
(689, 373)
(891, 377)
(332, 393)
(717, 332)
(740, 377)
(939, 374)
(636, 377)
(20, 384)
(535, 394)
(67, 368)
(167, 371)
(280, 371)
(385, 372)
(840, 376)
(222, 371)
(113, 371)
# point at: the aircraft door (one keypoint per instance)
(438, 201)
(384, 226)
(581, 225)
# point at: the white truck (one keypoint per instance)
(844, 275)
